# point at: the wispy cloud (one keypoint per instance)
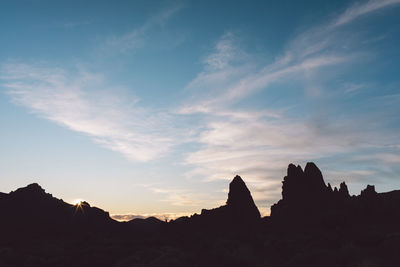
(229, 138)
(352, 88)
(259, 149)
(260, 146)
(361, 9)
(228, 77)
(137, 36)
(81, 101)
(183, 197)
(255, 146)
(224, 54)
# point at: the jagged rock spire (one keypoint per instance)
(300, 185)
(304, 193)
(240, 199)
(314, 178)
(238, 192)
(343, 190)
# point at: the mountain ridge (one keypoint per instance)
(312, 224)
(299, 187)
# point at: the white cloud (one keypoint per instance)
(230, 75)
(178, 196)
(258, 146)
(359, 10)
(252, 145)
(79, 102)
(225, 52)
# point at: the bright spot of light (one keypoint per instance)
(77, 202)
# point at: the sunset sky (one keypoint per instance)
(152, 107)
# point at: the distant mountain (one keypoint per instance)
(142, 226)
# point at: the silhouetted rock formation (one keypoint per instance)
(239, 208)
(369, 192)
(312, 225)
(239, 211)
(32, 209)
(240, 201)
(306, 200)
(343, 190)
(304, 194)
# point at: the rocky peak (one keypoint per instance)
(330, 190)
(238, 192)
(343, 190)
(84, 203)
(308, 201)
(240, 200)
(239, 210)
(34, 187)
(294, 171)
(303, 192)
(292, 183)
(30, 190)
(369, 192)
(299, 185)
(315, 181)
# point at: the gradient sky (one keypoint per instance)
(143, 107)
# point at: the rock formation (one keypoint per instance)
(240, 201)
(240, 211)
(32, 209)
(306, 200)
(312, 225)
(304, 193)
(239, 207)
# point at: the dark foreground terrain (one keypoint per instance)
(312, 225)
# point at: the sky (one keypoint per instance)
(152, 107)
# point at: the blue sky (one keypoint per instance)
(151, 107)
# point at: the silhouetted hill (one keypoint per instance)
(150, 220)
(31, 210)
(145, 225)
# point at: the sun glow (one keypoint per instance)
(77, 202)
